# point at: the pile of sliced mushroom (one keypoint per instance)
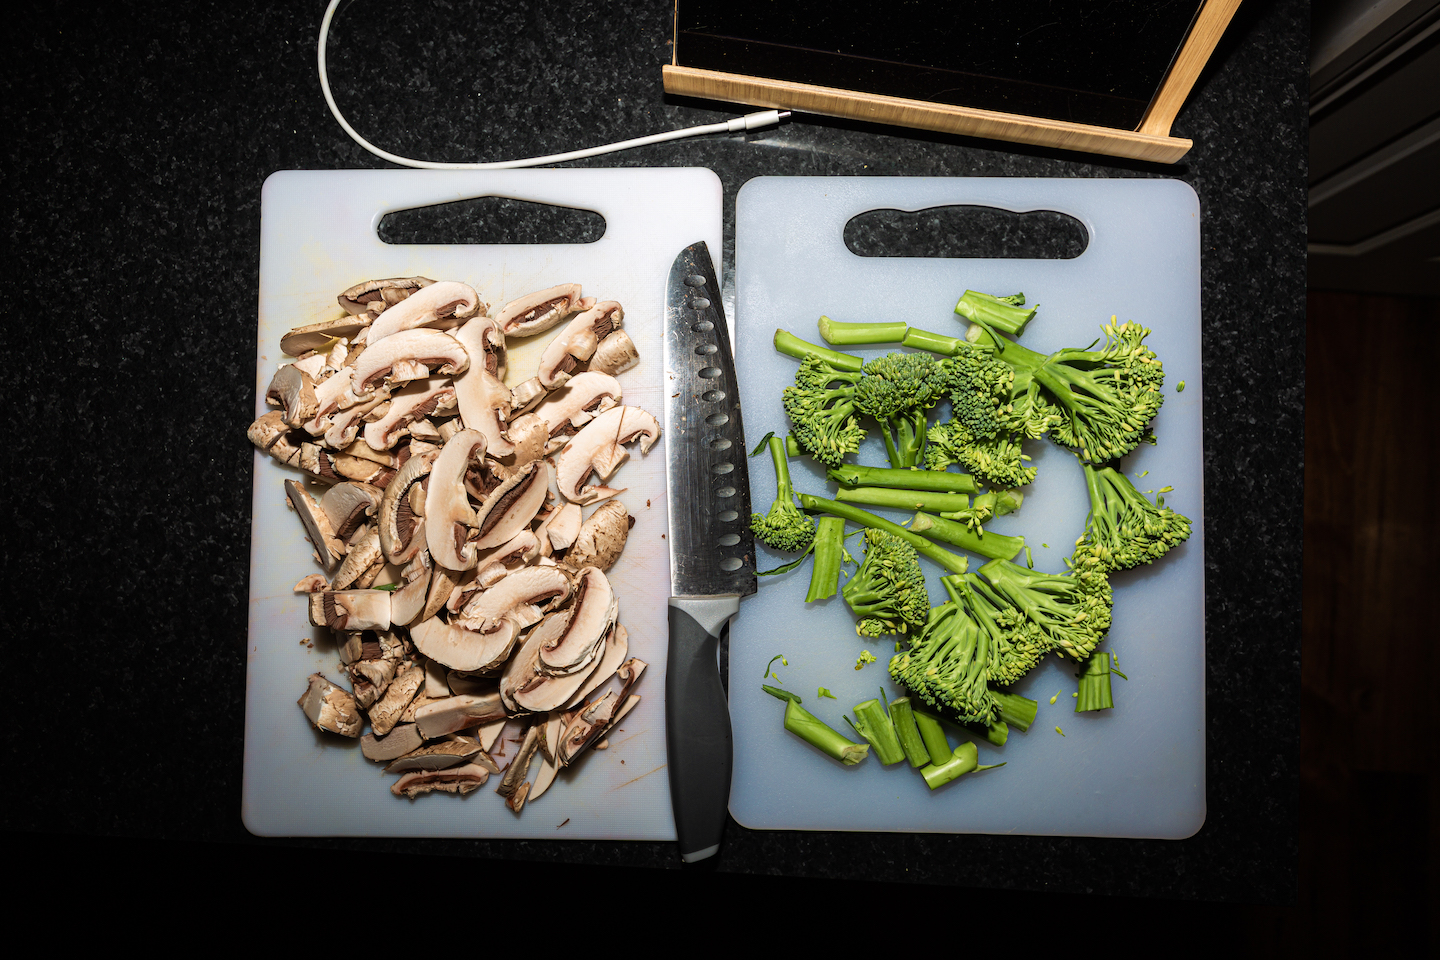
(464, 584)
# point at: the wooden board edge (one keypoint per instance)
(1194, 53)
(921, 115)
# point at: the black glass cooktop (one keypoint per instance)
(1097, 63)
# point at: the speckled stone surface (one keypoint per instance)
(139, 137)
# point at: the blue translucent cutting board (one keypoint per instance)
(1137, 770)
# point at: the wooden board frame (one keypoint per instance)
(1151, 141)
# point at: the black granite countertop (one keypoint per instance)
(139, 138)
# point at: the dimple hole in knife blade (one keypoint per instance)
(966, 231)
(491, 220)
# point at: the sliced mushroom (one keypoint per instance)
(413, 402)
(374, 296)
(511, 506)
(449, 519)
(456, 713)
(522, 597)
(344, 424)
(409, 355)
(402, 511)
(385, 714)
(408, 602)
(615, 354)
(537, 312)
(328, 548)
(563, 527)
(484, 403)
(462, 780)
(314, 336)
(398, 742)
(568, 409)
(349, 505)
(617, 645)
(464, 649)
(293, 391)
(441, 305)
(351, 609)
(331, 708)
(602, 536)
(593, 613)
(512, 785)
(438, 756)
(330, 393)
(526, 395)
(599, 448)
(577, 343)
(585, 728)
(363, 554)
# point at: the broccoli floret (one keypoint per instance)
(997, 461)
(1066, 612)
(948, 663)
(898, 390)
(888, 591)
(821, 404)
(1125, 529)
(784, 527)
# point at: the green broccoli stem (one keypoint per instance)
(904, 499)
(819, 735)
(792, 346)
(952, 562)
(872, 724)
(844, 334)
(1015, 709)
(905, 439)
(996, 546)
(932, 342)
(996, 312)
(933, 734)
(783, 488)
(1000, 502)
(1095, 684)
(902, 715)
(940, 481)
(829, 552)
(962, 761)
(793, 449)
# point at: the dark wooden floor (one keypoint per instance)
(1370, 697)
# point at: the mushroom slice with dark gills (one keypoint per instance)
(602, 537)
(599, 448)
(375, 296)
(439, 756)
(350, 609)
(485, 342)
(408, 355)
(617, 645)
(349, 505)
(440, 305)
(328, 548)
(315, 336)
(402, 511)
(577, 403)
(482, 397)
(449, 518)
(593, 612)
(511, 506)
(415, 401)
(522, 598)
(576, 344)
(539, 311)
(463, 779)
(584, 728)
(331, 708)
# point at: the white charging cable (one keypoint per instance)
(764, 118)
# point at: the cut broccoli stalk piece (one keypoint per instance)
(792, 346)
(996, 546)
(845, 334)
(933, 734)
(1015, 709)
(938, 481)
(964, 760)
(1000, 313)
(933, 342)
(902, 715)
(819, 735)
(905, 499)
(872, 723)
(784, 527)
(952, 562)
(1094, 680)
(829, 552)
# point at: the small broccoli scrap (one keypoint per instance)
(888, 591)
(784, 527)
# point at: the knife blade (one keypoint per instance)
(712, 551)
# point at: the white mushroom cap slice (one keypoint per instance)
(351, 609)
(370, 297)
(599, 448)
(328, 548)
(331, 708)
(403, 355)
(539, 311)
(408, 602)
(617, 645)
(523, 597)
(512, 785)
(563, 526)
(615, 354)
(602, 536)
(398, 742)
(462, 649)
(462, 780)
(593, 612)
(314, 336)
(577, 342)
(413, 402)
(511, 507)
(449, 518)
(458, 712)
(402, 511)
(349, 505)
(293, 390)
(526, 394)
(442, 305)
(385, 714)
(484, 403)
(363, 554)
(576, 404)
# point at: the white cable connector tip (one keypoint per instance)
(753, 121)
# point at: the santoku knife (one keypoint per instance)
(712, 551)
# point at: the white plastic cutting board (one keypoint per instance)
(1137, 770)
(318, 237)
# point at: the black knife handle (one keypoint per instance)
(697, 736)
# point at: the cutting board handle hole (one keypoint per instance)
(967, 232)
(491, 220)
